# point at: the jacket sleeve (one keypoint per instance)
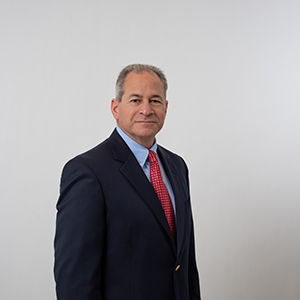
(194, 285)
(80, 234)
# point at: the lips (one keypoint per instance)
(145, 122)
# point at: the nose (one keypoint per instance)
(146, 108)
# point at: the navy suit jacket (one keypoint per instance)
(112, 238)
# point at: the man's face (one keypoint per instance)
(143, 107)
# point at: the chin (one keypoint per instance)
(148, 132)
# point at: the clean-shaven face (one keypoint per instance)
(143, 107)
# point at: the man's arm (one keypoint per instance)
(194, 284)
(80, 235)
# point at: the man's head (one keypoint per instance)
(140, 106)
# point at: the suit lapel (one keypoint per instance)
(179, 202)
(135, 175)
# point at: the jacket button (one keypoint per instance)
(176, 269)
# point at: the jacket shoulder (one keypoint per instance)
(174, 158)
(101, 152)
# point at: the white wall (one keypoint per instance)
(234, 115)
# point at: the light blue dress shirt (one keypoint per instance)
(141, 154)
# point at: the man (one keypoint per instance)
(124, 222)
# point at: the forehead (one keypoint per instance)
(143, 81)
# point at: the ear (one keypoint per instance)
(115, 108)
(167, 102)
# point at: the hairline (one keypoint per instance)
(138, 69)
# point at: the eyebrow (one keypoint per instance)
(135, 95)
(140, 96)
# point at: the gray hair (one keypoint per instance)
(138, 68)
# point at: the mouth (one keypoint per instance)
(146, 122)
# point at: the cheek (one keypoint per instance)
(126, 117)
(161, 115)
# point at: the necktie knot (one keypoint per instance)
(152, 157)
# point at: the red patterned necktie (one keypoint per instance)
(161, 191)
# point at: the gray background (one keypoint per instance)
(234, 101)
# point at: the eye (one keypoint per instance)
(134, 100)
(156, 101)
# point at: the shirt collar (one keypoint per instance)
(140, 152)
